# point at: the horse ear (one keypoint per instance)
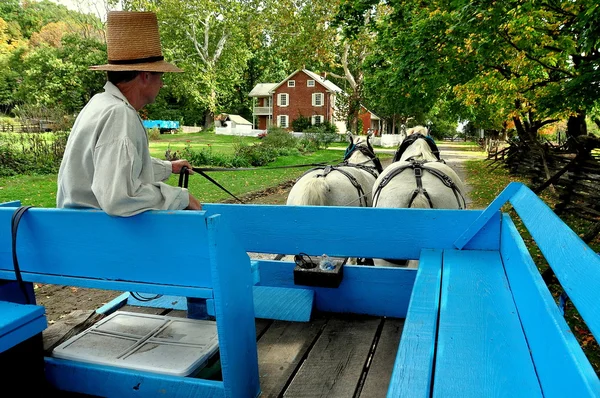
(350, 137)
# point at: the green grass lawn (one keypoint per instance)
(197, 141)
(40, 190)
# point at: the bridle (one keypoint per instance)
(366, 150)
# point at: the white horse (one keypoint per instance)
(346, 184)
(417, 178)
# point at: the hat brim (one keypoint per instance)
(158, 66)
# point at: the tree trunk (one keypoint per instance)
(209, 119)
(576, 126)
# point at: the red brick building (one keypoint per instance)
(301, 93)
(371, 123)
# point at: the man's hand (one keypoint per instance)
(194, 203)
(177, 165)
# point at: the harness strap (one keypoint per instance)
(368, 169)
(446, 180)
(14, 225)
(418, 170)
(361, 193)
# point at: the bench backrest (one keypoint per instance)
(156, 248)
(352, 231)
(177, 253)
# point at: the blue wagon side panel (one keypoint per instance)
(364, 290)
(561, 365)
(575, 265)
(480, 341)
(413, 368)
(353, 231)
(108, 381)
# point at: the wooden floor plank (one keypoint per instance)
(335, 363)
(380, 370)
(71, 324)
(280, 351)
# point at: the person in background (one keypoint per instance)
(107, 163)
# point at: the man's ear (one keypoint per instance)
(144, 76)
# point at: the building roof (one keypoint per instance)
(328, 84)
(262, 90)
(238, 119)
(319, 79)
(373, 116)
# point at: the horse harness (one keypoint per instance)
(328, 169)
(368, 152)
(369, 169)
(418, 167)
(408, 141)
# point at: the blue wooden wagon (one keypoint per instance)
(475, 318)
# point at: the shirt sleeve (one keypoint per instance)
(162, 169)
(119, 189)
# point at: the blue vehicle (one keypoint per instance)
(163, 125)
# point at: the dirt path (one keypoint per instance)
(61, 300)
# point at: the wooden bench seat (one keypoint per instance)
(483, 323)
(481, 349)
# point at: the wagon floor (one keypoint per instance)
(333, 355)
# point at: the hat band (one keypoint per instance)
(135, 61)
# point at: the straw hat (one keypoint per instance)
(134, 43)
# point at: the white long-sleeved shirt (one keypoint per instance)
(107, 163)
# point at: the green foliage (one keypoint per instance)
(153, 134)
(301, 123)
(278, 138)
(320, 135)
(22, 153)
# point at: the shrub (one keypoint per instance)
(279, 138)
(256, 154)
(322, 134)
(301, 123)
(153, 133)
(24, 153)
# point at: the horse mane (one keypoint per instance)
(417, 130)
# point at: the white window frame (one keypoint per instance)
(310, 83)
(291, 83)
(284, 103)
(283, 117)
(314, 121)
(314, 99)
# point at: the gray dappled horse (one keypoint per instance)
(346, 184)
(417, 178)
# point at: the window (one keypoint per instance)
(283, 99)
(317, 99)
(282, 121)
(317, 119)
(310, 83)
(291, 83)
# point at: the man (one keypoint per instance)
(107, 163)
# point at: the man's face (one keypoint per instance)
(153, 86)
